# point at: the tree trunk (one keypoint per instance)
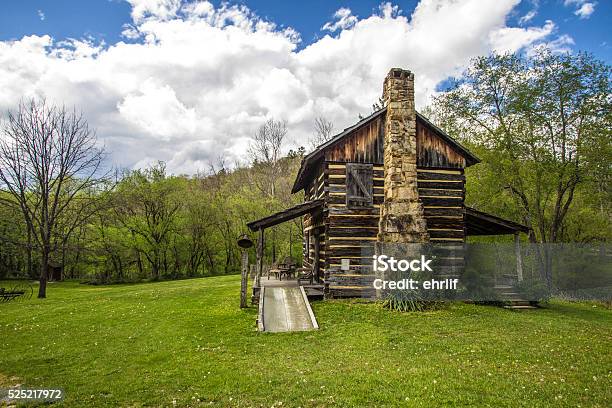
(155, 270)
(211, 261)
(30, 265)
(44, 268)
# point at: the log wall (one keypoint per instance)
(351, 233)
(314, 226)
(442, 192)
(346, 233)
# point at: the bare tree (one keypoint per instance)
(323, 132)
(265, 151)
(267, 169)
(268, 141)
(48, 157)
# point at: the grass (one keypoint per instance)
(186, 343)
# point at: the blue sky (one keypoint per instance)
(189, 82)
(103, 19)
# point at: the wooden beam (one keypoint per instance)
(286, 215)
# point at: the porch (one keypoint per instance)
(308, 276)
(314, 290)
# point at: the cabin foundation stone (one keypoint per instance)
(402, 217)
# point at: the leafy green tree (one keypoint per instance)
(147, 205)
(541, 125)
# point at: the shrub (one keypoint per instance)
(409, 301)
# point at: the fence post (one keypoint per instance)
(519, 258)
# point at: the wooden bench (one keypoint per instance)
(286, 269)
(305, 275)
(275, 272)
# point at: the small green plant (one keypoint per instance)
(408, 301)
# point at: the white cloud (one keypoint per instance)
(512, 39)
(150, 107)
(158, 9)
(195, 81)
(344, 20)
(527, 17)
(561, 44)
(585, 10)
(41, 15)
(130, 32)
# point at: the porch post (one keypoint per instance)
(243, 278)
(519, 259)
(260, 251)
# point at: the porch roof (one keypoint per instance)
(285, 215)
(481, 223)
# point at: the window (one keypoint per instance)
(359, 185)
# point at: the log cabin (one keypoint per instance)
(393, 177)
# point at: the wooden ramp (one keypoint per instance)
(285, 309)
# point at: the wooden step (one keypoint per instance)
(519, 307)
(520, 302)
(313, 293)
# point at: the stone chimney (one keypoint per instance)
(401, 216)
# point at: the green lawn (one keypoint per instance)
(187, 342)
